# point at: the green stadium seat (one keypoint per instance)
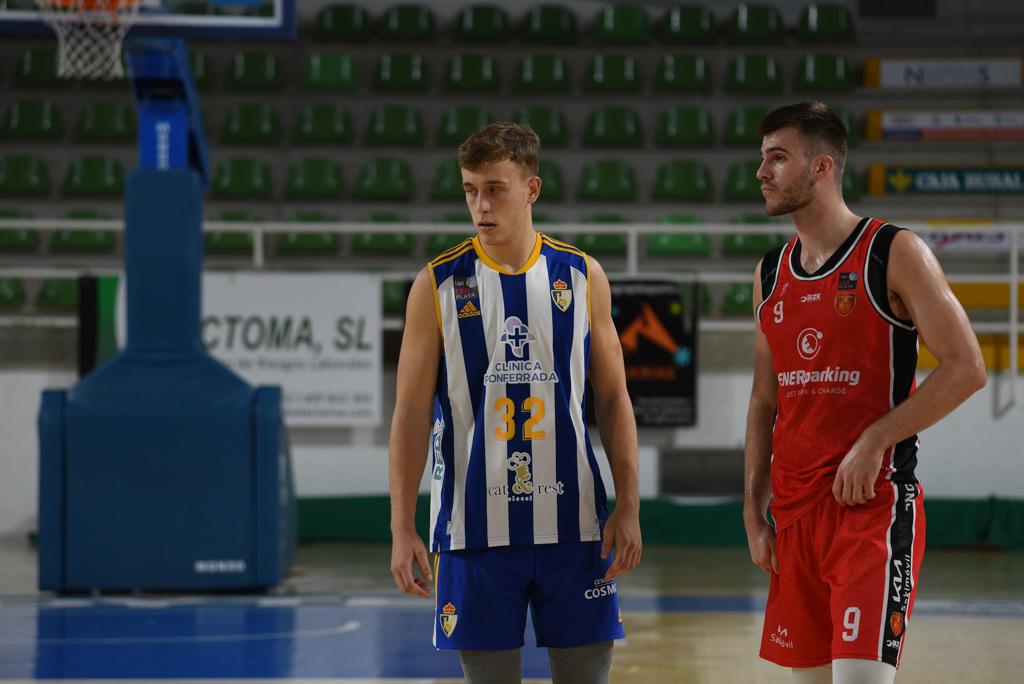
(408, 23)
(822, 73)
(688, 25)
(552, 185)
(439, 242)
(330, 72)
(447, 183)
(548, 25)
(94, 176)
(251, 124)
(608, 180)
(84, 241)
(471, 73)
(394, 295)
(57, 294)
(826, 23)
(683, 74)
(461, 218)
(254, 72)
(739, 299)
(242, 178)
(315, 179)
(741, 184)
(612, 74)
(202, 74)
(385, 217)
(852, 130)
(12, 294)
(392, 244)
(741, 126)
(460, 122)
(395, 125)
(24, 175)
(20, 240)
(31, 120)
(230, 243)
(307, 243)
(614, 126)
(755, 24)
(678, 246)
(542, 74)
(754, 74)
(37, 68)
(685, 127)
(481, 25)
(384, 180)
(603, 244)
(101, 122)
(401, 73)
(683, 180)
(605, 217)
(622, 24)
(703, 296)
(343, 23)
(851, 184)
(323, 124)
(549, 123)
(738, 244)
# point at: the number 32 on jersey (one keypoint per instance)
(507, 430)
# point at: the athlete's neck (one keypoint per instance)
(822, 228)
(510, 251)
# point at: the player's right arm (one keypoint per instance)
(757, 449)
(410, 433)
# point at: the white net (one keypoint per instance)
(90, 34)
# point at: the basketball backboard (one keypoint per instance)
(204, 19)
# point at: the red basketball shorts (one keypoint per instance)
(847, 580)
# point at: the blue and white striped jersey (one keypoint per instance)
(512, 460)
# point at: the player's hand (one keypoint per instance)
(858, 471)
(761, 540)
(407, 549)
(622, 530)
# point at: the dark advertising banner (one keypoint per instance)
(657, 326)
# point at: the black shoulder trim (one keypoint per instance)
(770, 271)
(876, 275)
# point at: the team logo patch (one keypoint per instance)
(519, 463)
(896, 623)
(808, 343)
(517, 335)
(448, 619)
(845, 301)
(561, 294)
(848, 280)
(469, 310)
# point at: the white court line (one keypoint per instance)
(345, 628)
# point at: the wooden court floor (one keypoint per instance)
(691, 615)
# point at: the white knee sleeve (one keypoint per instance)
(852, 671)
(813, 675)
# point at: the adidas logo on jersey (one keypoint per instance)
(469, 310)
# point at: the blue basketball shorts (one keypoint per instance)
(482, 597)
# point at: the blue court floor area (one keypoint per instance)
(691, 615)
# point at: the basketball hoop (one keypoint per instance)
(89, 35)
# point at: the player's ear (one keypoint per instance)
(823, 166)
(534, 183)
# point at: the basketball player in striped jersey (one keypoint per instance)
(502, 332)
(834, 412)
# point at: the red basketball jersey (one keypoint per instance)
(842, 359)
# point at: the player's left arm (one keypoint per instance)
(923, 295)
(617, 426)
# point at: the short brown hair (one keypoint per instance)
(500, 141)
(815, 121)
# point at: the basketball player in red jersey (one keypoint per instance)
(834, 413)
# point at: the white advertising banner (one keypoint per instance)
(970, 74)
(318, 336)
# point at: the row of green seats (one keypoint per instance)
(401, 125)
(25, 175)
(61, 295)
(391, 179)
(615, 24)
(256, 71)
